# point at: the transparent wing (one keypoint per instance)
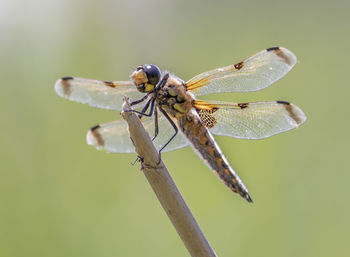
(114, 136)
(97, 93)
(255, 73)
(250, 120)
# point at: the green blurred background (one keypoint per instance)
(61, 197)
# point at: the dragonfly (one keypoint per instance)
(168, 105)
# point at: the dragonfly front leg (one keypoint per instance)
(143, 112)
(139, 101)
(145, 108)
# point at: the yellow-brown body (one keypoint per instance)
(174, 98)
(178, 103)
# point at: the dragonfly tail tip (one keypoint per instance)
(248, 198)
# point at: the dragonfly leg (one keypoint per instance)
(156, 128)
(145, 108)
(172, 137)
(143, 113)
(138, 158)
(139, 101)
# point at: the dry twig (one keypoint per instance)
(165, 188)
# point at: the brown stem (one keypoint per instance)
(165, 189)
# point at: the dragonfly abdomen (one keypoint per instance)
(203, 142)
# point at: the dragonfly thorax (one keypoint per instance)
(174, 98)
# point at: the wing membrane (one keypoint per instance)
(255, 73)
(114, 136)
(97, 93)
(250, 120)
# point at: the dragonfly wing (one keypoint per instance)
(114, 136)
(255, 73)
(250, 120)
(97, 93)
(111, 136)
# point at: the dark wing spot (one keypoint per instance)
(109, 83)
(283, 102)
(66, 86)
(97, 135)
(243, 105)
(274, 48)
(95, 127)
(239, 65)
(290, 109)
(280, 54)
(67, 78)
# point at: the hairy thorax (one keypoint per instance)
(174, 98)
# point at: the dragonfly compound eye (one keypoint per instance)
(152, 73)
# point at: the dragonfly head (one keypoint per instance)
(146, 77)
